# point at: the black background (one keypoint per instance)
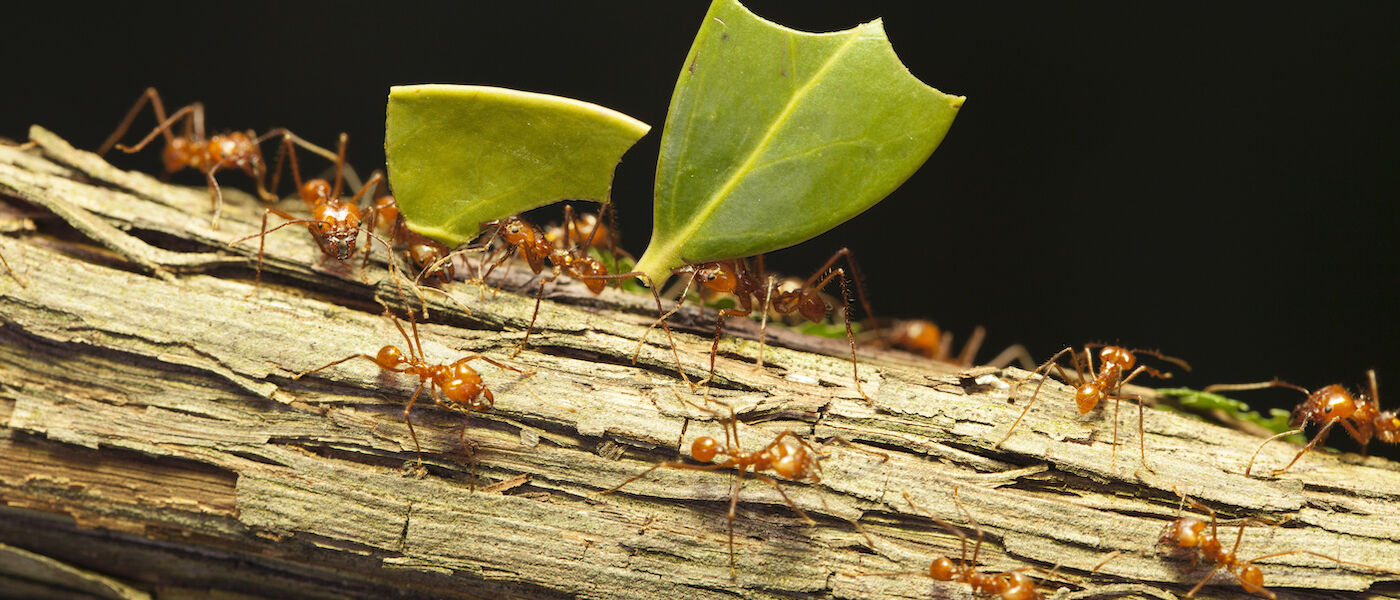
(1211, 179)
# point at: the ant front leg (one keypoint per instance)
(150, 95)
(539, 296)
(1043, 370)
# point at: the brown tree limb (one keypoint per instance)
(156, 444)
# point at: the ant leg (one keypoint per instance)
(216, 195)
(719, 330)
(1159, 356)
(150, 95)
(962, 537)
(332, 364)
(1035, 393)
(1240, 387)
(763, 323)
(662, 318)
(968, 356)
(1202, 583)
(1250, 466)
(1142, 439)
(12, 271)
(539, 296)
(672, 465)
(492, 362)
(855, 274)
(163, 127)
(1321, 433)
(1016, 353)
(773, 482)
(978, 548)
(407, 410)
(262, 238)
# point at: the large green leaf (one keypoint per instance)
(776, 135)
(459, 155)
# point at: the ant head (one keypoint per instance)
(704, 449)
(717, 277)
(1331, 402)
(942, 569)
(1117, 355)
(390, 357)
(1184, 532)
(338, 239)
(515, 231)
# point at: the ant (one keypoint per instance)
(1359, 414)
(428, 254)
(1009, 585)
(334, 222)
(1106, 384)
(455, 386)
(923, 337)
(531, 243)
(749, 285)
(788, 456)
(206, 153)
(1190, 533)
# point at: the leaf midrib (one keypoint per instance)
(709, 207)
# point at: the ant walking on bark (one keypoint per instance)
(454, 386)
(751, 286)
(334, 222)
(567, 258)
(208, 154)
(1190, 533)
(788, 456)
(1360, 415)
(1091, 388)
(1009, 585)
(923, 337)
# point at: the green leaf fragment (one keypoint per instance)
(1200, 403)
(776, 135)
(460, 155)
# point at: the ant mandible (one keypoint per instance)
(1360, 415)
(208, 154)
(455, 386)
(1190, 533)
(1106, 384)
(1009, 585)
(788, 456)
(531, 243)
(750, 286)
(334, 222)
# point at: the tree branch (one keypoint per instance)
(155, 440)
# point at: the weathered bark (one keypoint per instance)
(155, 442)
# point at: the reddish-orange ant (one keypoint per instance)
(1190, 533)
(455, 386)
(923, 337)
(1360, 415)
(208, 154)
(750, 286)
(334, 222)
(1009, 585)
(1106, 384)
(430, 256)
(788, 456)
(530, 242)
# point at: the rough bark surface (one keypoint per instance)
(156, 444)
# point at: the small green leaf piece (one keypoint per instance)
(459, 155)
(776, 135)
